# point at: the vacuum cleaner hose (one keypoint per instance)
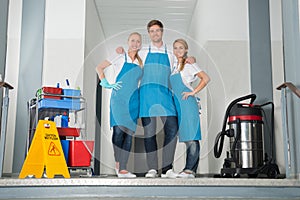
(219, 147)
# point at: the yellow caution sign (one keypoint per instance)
(45, 152)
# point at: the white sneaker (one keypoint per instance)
(127, 175)
(152, 173)
(186, 175)
(169, 174)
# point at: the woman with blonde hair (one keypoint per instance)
(182, 77)
(124, 102)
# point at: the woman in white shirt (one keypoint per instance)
(189, 132)
(124, 102)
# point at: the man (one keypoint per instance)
(156, 101)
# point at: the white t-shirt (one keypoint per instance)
(188, 74)
(117, 61)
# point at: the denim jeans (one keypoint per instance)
(122, 140)
(192, 155)
(170, 127)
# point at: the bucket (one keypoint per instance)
(80, 153)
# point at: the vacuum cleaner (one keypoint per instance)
(246, 136)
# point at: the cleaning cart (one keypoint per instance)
(67, 108)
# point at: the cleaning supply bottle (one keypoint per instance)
(64, 120)
(57, 120)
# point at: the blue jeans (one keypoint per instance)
(192, 155)
(170, 126)
(122, 140)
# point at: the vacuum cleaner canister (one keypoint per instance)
(247, 144)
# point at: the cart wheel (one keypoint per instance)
(226, 175)
(272, 172)
(89, 172)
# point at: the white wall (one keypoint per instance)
(64, 42)
(221, 28)
(220, 20)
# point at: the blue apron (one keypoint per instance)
(188, 111)
(155, 95)
(124, 103)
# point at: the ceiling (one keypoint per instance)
(122, 15)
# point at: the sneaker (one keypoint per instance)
(126, 175)
(152, 173)
(169, 174)
(186, 175)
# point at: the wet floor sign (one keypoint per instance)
(45, 153)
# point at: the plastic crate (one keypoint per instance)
(72, 93)
(75, 132)
(63, 104)
(79, 155)
(42, 92)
